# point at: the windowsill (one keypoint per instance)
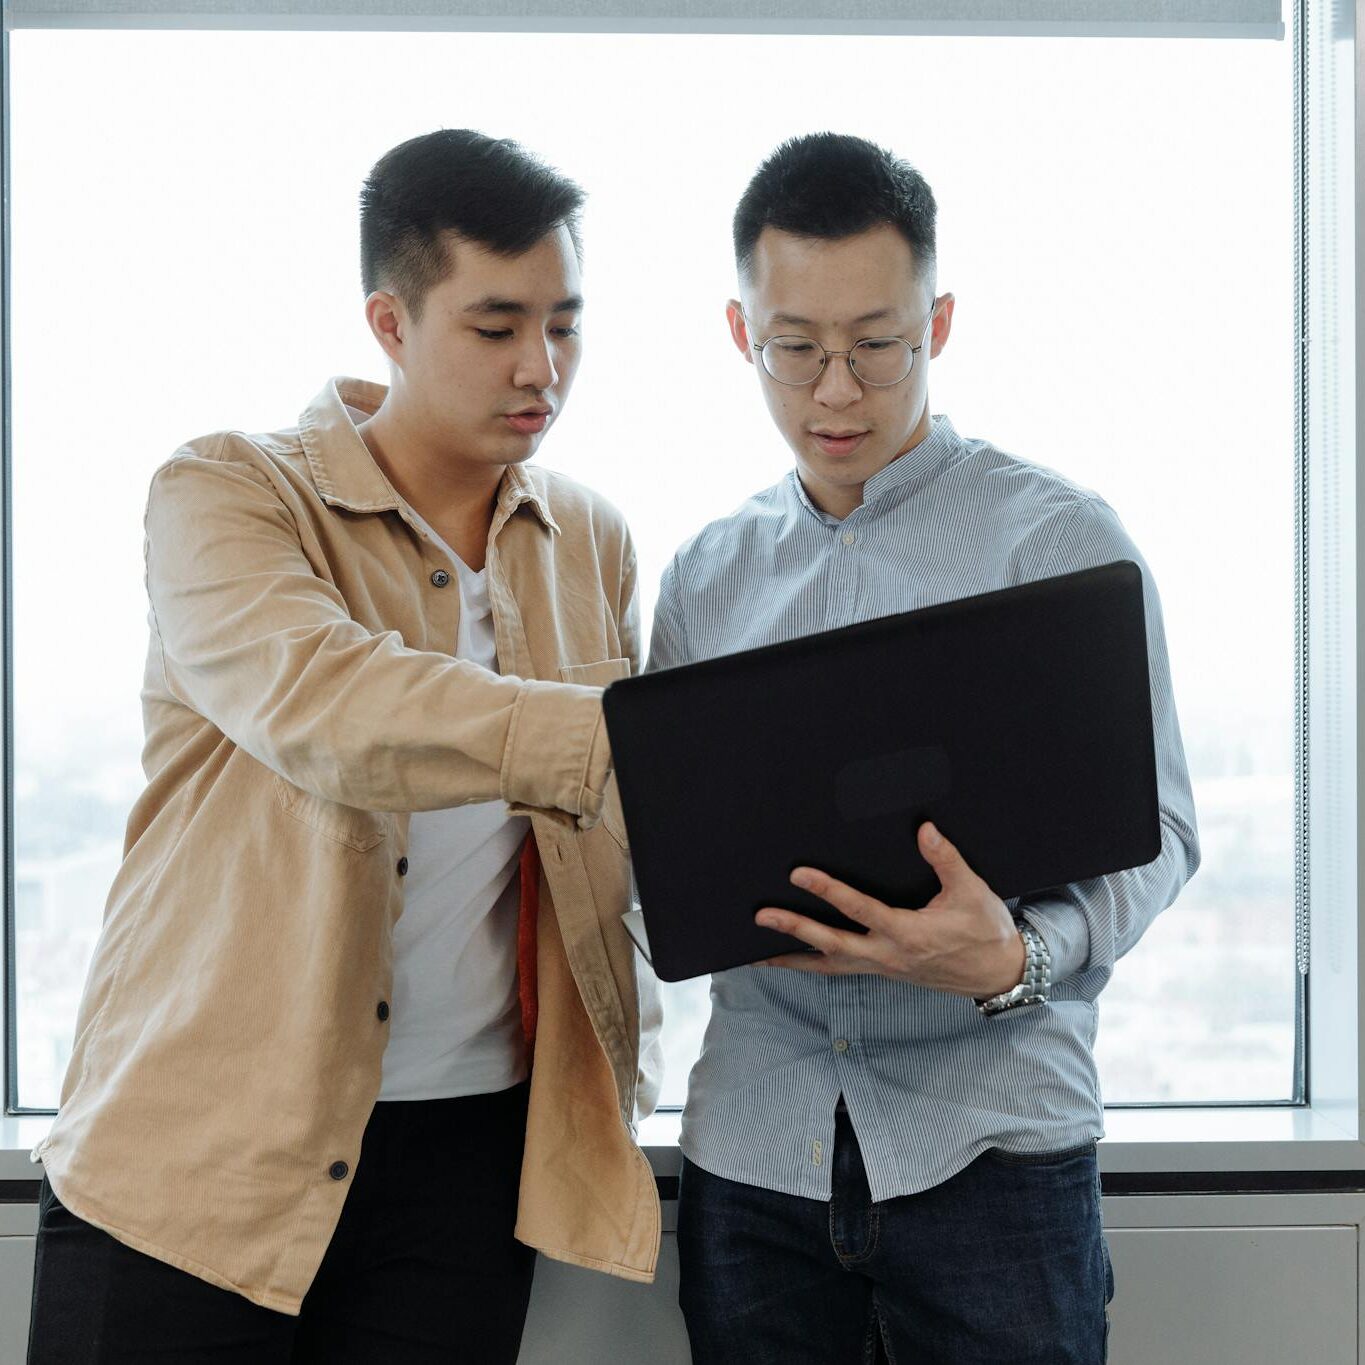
(1136, 1140)
(1165, 1140)
(18, 1137)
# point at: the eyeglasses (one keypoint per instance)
(876, 361)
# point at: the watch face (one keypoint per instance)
(1000, 1005)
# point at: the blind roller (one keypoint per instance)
(1025, 18)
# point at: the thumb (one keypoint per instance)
(940, 854)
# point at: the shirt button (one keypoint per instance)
(338, 1170)
(403, 866)
(383, 1010)
(849, 537)
(841, 1045)
(440, 578)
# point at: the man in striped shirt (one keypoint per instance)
(889, 1147)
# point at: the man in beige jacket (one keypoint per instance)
(295, 1126)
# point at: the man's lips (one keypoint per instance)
(529, 420)
(836, 443)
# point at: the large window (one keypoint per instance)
(1116, 221)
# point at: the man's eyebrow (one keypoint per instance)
(491, 303)
(791, 320)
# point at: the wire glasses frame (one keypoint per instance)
(901, 351)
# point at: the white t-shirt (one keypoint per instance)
(455, 1017)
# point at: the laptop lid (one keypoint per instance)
(1018, 720)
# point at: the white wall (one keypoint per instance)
(1199, 1280)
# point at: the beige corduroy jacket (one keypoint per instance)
(297, 706)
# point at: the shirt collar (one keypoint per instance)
(905, 473)
(345, 472)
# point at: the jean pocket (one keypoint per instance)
(52, 1212)
(1056, 1158)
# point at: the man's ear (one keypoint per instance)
(388, 321)
(739, 328)
(943, 324)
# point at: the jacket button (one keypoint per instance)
(383, 1010)
(440, 578)
(338, 1170)
(403, 866)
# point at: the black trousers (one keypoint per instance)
(422, 1268)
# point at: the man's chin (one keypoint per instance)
(839, 473)
(519, 449)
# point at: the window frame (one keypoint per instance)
(1256, 1146)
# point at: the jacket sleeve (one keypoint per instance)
(1088, 925)
(257, 643)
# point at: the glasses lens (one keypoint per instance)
(792, 360)
(882, 360)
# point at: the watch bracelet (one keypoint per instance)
(1036, 985)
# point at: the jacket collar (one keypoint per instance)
(346, 474)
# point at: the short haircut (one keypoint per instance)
(485, 190)
(832, 185)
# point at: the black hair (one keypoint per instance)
(486, 190)
(832, 185)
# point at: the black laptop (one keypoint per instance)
(1019, 721)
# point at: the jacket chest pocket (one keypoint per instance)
(357, 829)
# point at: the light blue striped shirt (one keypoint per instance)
(929, 1083)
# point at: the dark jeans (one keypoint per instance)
(1004, 1262)
(422, 1267)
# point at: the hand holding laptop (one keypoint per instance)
(963, 941)
(1019, 719)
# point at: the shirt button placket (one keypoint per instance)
(844, 1016)
(842, 601)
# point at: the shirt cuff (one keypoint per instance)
(557, 756)
(1064, 932)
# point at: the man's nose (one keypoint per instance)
(837, 386)
(536, 366)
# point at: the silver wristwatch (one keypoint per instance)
(1036, 986)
